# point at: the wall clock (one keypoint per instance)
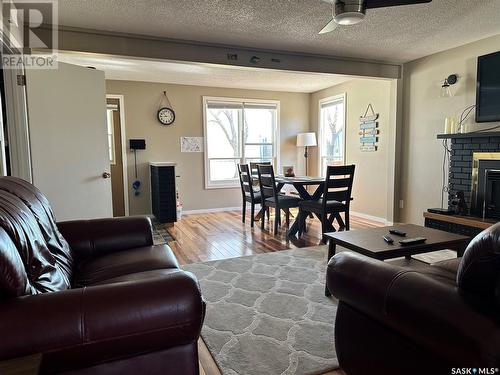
(165, 115)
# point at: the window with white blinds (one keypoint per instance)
(331, 131)
(238, 131)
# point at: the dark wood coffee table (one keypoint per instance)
(369, 242)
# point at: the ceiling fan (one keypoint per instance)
(350, 12)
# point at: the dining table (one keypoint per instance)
(301, 183)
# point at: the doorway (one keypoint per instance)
(115, 133)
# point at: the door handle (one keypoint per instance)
(106, 175)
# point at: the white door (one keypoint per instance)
(69, 154)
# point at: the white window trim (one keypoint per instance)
(225, 185)
(342, 96)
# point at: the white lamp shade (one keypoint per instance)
(306, 139)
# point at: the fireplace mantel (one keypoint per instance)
(466, 225)
(469, 135)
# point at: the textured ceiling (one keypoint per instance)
(210, 75)
(395, 34)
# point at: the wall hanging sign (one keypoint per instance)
(191, 144)
(368, 130)
(165, 114)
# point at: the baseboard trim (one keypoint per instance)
(371, 218)
(222, 209)
(209, 210)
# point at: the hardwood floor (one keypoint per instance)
(220, 235)
(212, 236)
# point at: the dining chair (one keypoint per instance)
(270, 196)
(336, 199)
(255, 176)
(248, 193)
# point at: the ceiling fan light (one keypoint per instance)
(349, 18)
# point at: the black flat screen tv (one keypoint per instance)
(488, 88)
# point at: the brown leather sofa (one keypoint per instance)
(434, 320)
(92, 296)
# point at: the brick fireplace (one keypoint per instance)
(465, 148)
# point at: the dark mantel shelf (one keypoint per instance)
(471, 221)
(469, 135)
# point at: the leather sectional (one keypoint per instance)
(92, 296)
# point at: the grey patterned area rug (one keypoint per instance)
(267, 313)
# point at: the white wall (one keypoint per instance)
(372, 168)
(424, 113)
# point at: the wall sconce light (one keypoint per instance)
(445, 88)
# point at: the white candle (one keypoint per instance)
(453, 125)
(447, 125)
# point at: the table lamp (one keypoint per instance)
(306, 140)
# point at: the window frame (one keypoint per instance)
(343, 98)
(229, 184)
(111, 137)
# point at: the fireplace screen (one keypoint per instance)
(492, 194)
(485, 188)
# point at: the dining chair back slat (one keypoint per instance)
(339, 183)
(339, 196)
(340, 170)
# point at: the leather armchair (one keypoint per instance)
(412, 321)
(128, 308)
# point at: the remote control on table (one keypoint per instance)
(388, 239)
(413, 241)
(397, 232)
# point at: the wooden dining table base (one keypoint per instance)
(305, 195)
(301, 184)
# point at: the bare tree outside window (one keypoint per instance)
(334, 142)
(229, 127)
(332, 131)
